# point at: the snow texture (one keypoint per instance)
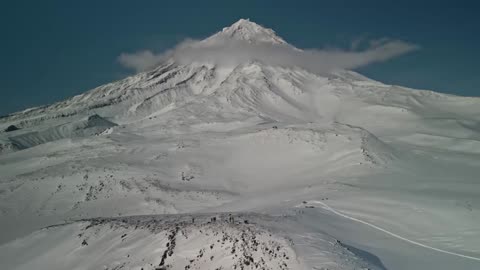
(203, 165)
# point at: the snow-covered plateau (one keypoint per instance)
(247, 166)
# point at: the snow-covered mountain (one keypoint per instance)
(245, 166)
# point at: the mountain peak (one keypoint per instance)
(249, 31)
(244, 24)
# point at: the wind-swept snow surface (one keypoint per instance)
(289, 168)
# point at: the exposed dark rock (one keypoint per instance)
(11, 128)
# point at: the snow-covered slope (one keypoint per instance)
(337, 170)
(248, 31)
(93, 125)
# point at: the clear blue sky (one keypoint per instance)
(51, 50)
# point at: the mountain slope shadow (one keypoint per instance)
(367, 256)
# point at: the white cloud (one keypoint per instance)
(234, 52)
(140, 61)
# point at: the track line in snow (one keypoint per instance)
(327, 207)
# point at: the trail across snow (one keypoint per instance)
(327, 207)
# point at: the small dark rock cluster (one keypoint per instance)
(11, 128)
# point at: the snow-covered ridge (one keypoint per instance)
(93, 125)
(198, 241)
(188, 242)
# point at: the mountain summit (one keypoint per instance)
(249, 31)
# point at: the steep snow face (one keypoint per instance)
(323, 155)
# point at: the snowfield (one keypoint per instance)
(246, 166)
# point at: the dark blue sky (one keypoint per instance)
(51, 50)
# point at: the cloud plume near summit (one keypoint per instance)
(231, 52)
